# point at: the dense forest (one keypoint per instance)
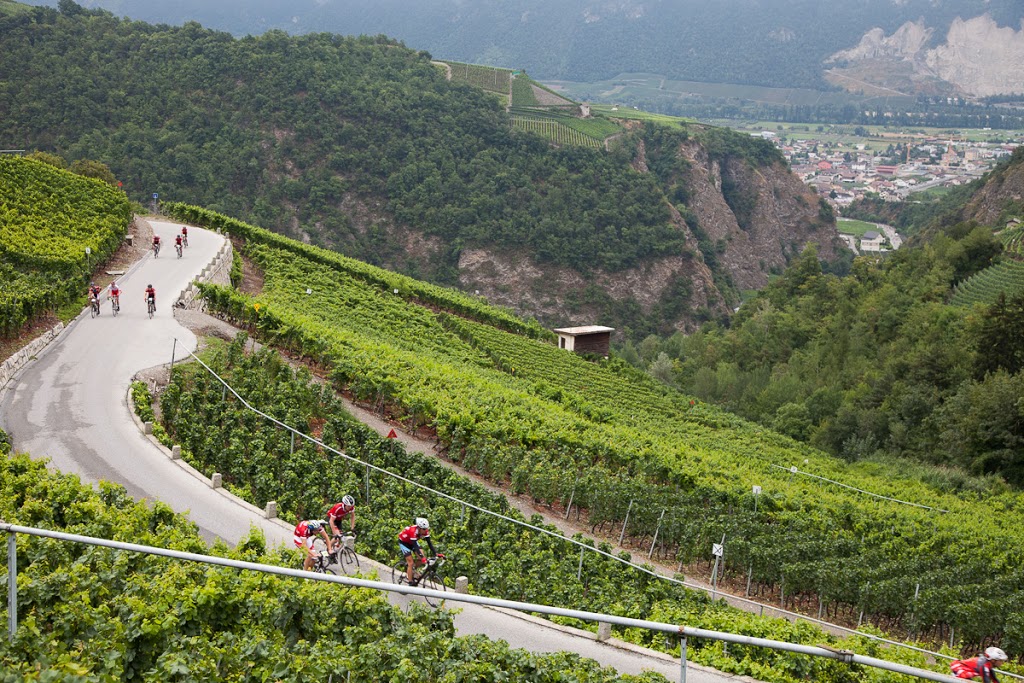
(878, 362)
(356, 144)
(739, 41)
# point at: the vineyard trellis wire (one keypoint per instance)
(583, 547)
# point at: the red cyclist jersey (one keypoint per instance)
(410, 534)
(973, 667)
(340, 510)
(115, 291)
(302, 530)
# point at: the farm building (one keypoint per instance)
(872, 241)
(588, 339)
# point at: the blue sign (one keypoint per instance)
(155, 195)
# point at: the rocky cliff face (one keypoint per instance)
(1001, 197)
(978, 58)
(780, 217)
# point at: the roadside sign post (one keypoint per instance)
(718, 550)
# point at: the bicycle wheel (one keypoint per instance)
(349, 561)
(94, 309)
(115, 308)
(435, 583)
(398, 574)
(152, 308)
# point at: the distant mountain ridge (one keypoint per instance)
(764, 42)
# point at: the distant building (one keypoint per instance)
(588, 339)
(886, 170)
(585, 110)
(872, 241)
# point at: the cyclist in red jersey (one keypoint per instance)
(408, 544)
(306, 532)
(150, 294)
(982, 666)
(184, 234)
(94, 291)
(115, 294)
(347, 506)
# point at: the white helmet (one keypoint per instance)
(422, 523)
(315, 525)
(995, 654)
(348, 500)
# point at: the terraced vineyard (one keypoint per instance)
(1013, 240)
(488, 78)
(523, 413)
(985, 287)
(54, 227)
(555, 131)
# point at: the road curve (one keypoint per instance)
(69, 406)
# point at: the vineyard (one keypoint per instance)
(487, 78)
(673, 474)
(1013, 241)
(54, 227)
(985, 287)
(555, 131)
(96, 615)
(499, 557)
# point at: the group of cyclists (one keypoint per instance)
(180, 242)
(115, 297)
(308, 530)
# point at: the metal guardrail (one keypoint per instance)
(778, 611)
(682, 631)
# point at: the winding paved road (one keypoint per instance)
(69, 405)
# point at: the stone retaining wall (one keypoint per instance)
(218, 272)
(23, 356)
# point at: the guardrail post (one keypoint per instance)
(215, 480)
(147, 428)
(12, 585)
(461, 584)
(682, 660)
(604, 631)
(291, 451)
(270, 511)
(175, 452)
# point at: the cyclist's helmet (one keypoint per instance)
(995, 654)
(315, 525)
(422, 523)
(348, 500)
(149, 286)
(92, 284)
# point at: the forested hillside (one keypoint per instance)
(891, 360)
(740, 41)
(361, 145)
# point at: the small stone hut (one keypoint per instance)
(588, 339)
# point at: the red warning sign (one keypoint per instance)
(392, 434)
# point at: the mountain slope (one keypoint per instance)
(363, 146)
(777, 43)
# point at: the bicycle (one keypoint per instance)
(151, 306)
(184, 239)
(156, 249)
(177, 248)
(345, 555)
(94, 306)
(115, 305)
(322, 559)
(428, 578)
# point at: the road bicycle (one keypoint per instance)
(156, 249)
(115, 305)
(151, 306)
(94, 306)
(184, 239)
(177, 248)
(428, 578)
(344, 554)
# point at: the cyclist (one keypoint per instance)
(177, 244)
(408, 544)
(305, 533)
(150, 295)
(156, 245)
(347, 506)
(982, 666)
(94, 292)
(115, 294)
(184, 234)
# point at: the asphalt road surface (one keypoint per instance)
(70, 406)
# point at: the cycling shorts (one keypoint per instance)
(408, 549)
(303, 541)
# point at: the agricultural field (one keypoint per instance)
(624, 449)
(487, 78)
(555, 131)
(1013, 241)
(54, 227)
(849, 226)
(985, 287)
